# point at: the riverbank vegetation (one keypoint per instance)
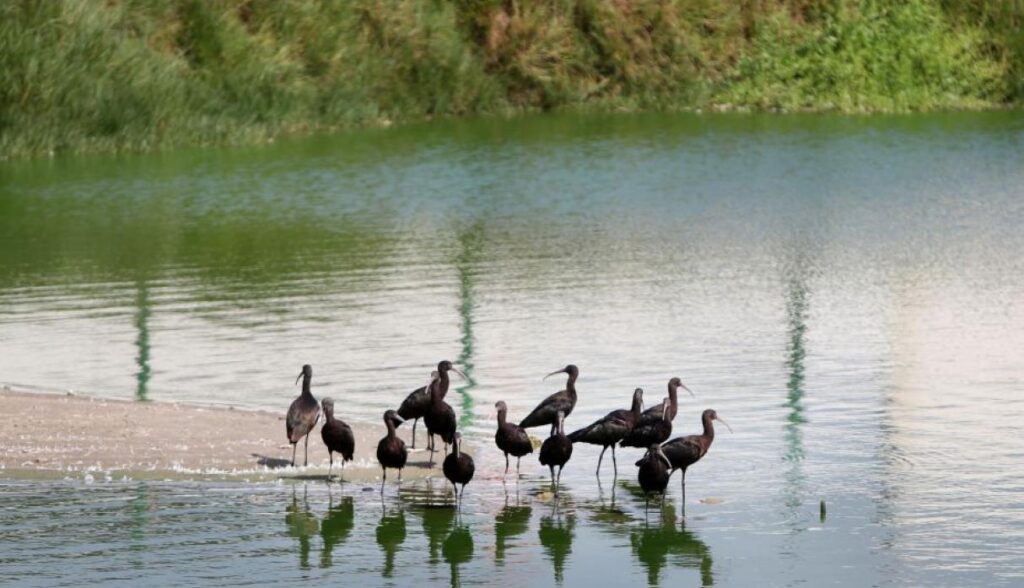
(104, 75)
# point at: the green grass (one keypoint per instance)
(109, 75)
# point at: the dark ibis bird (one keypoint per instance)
(391, 451)
(302, 414)
(337, 436)
(564, 401)
(652, 427)
(611, 429)
(440, 417)
(510, 437)
(556, 450)
(458, 467)
(655, 470)
(683, 452)
(416, 404)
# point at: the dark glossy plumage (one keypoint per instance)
(611, 429)
(337, 436)
(440, 417)
(674, 385)
(303, 414)
(564, 401)
(683, 452)
(458, 467)
(654, 426)
(510, 438)
(556, 450)
(416, 405)
(391, 451)
(655, 470)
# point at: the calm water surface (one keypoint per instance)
(847, 292)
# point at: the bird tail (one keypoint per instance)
(578, 435)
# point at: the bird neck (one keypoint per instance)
(709, 428)
(440, 387)
(306, 388)
(570, 384)
(501, 417)
(328, 414)
(637, 407)
(391, 427)
(673, 400)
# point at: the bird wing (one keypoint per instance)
(547, 409)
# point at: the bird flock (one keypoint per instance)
(634, 427)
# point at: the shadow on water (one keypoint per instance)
(457, 549)
(512, 521)
(273, 463)
(301, 524)
(470, 243)
(336, 527)
(143, 311)
(652, 546)
(556, 534)
(390, 535)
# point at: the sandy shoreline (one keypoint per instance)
(52, 435)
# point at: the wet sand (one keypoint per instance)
(52, 435)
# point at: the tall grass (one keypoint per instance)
(105, 75)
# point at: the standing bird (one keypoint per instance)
(302, 414)
(556, 450)
(337, 436)
(510, 437)
(563, 401)
(391, 452)
(416, 404)
(683, 452)
(652, 428)
(458, 467)
(440, 418)
(655, 470)
(611, 429)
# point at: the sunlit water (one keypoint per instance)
(847, 292)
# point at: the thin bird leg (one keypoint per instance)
(306, 458)
(558, 482)
(615, 464)
(506, 464)
(383, 478)
(684, 490)
(414, 432)
(399, 476)
(552, 475)
(294, 447)
(517, 466)
(599, 458)
(330, 456)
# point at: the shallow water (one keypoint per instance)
(846, 292)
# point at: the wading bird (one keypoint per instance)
(564, 401)
(302, 414)
(683, 452)
(510, 438)
(458, 467)
(654, 473)
(440, 418)
(337, 436)
(556, 450)
(652, 427)
(391, 452)
(611, 429)
(416, 404)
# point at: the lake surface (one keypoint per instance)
(847, 292)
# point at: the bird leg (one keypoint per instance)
(552, 475)
(384, 478)
(294, 447)
(414, 432)
(306, 458)
(558, 481)
(599, 458)
(615, 464)
(399, 476)
(506, 464)
(684, 490)
(517, 467)
(330, 456)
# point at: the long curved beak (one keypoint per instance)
(552, 373)
(719, 419)
(664, 458)
(398, 420)
(683, 386)
(298, 378)
(461, 375)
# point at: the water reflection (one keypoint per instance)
(390, 535)
(796, 325)
(510, 522)
(653, 545)
(556, 533)
(437, 520)
(301, 524)
(457, 550)
(142, 313)
(471, 241)
(336, 527)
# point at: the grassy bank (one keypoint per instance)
(99, 75)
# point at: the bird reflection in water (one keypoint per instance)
(302, 524)
(653, 544)
(457, 549)
(390, 535)
(336, 526)
(556, 535)
(437, 521)
(512, 521)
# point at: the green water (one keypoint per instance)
(846, 292)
